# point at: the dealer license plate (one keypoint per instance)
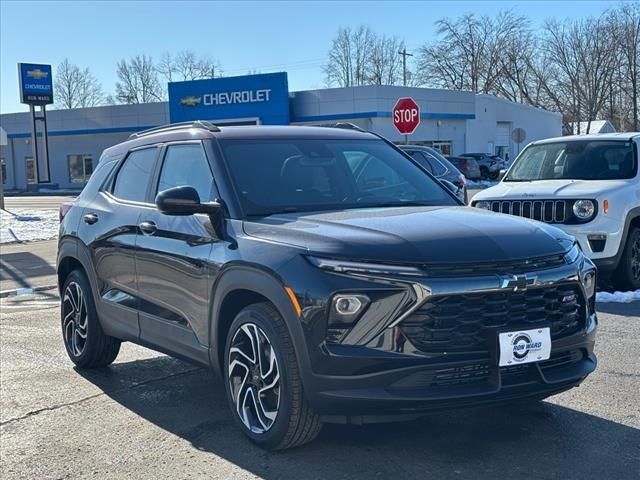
(524, 346)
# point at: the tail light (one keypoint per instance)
(64, 208)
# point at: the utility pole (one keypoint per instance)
(404, 54)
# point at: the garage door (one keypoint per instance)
(503, 134)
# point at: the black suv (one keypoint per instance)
(323, 274)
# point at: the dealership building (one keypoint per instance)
(453, 121)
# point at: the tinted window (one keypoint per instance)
(186, 165)
(575, 160)
(133, 177)
(283, 175)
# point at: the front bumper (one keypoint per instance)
(367, 372)
(431, 386)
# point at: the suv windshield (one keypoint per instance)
(290, 175)
(575, 160)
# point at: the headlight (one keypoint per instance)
(483, 205)
(573, 254)
(584, 209)
(363, 268)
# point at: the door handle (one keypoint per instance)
(90, 218)
(148, 227)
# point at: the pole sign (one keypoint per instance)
(406, 115)
(36, 84)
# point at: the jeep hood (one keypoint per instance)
(413, 235)
(546, 189)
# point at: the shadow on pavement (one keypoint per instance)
(631, 309)
(535, 441)
(20, 269)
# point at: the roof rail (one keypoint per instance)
(348, 126)
(176, 126)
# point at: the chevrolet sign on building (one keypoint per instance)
(253, 99)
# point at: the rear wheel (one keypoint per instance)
(484, 173)
(86, 344)
(263, 382)
(627, 276)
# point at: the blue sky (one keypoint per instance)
(264, 36)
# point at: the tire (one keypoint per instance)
(286, 421)
(627, 275)
(484, 173)
(493, 175)
(79, 317)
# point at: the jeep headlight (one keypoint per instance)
(584, 209)
(483, 204)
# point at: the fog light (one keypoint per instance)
(347, 304)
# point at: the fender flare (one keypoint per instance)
(71, 247)
(264, 283)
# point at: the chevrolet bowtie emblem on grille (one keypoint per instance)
(517, 283)
(37, 74)
(190, 101)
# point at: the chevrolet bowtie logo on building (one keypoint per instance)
(190, 101)
(37, 74)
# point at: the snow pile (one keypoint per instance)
(27, 225)
(618, 297)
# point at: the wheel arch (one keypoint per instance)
(238, 287)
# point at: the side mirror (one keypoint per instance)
(183, 200)
(501, 175)
(453, 188)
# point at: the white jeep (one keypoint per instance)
(588, 185)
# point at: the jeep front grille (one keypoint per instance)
(548, 211)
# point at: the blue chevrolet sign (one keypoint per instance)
(36, 83)
(260, 99)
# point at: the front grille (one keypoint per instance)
(548, 211)
(511, 267)
(476, 374)
(467, 322)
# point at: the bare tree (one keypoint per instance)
(469, 52)
(350, 57)
(75, 87)
(186, 65)
(138, 81)
(385, 64)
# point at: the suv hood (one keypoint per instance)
(413, 235)
(546, 189)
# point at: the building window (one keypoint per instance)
(80, 168)
(31, 170)
(4, 171)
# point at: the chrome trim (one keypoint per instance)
(422, 292)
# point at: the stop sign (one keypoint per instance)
(406, 115)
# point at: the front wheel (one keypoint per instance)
(263, 382)
(86, 343)
(627, 276)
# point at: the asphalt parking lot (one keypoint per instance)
(150, 416)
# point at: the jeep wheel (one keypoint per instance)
(86, 344)
(263, 381)
(627, 276)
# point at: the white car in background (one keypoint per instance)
(587, 185)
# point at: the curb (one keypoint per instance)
(26, 291)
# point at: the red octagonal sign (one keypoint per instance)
(406, 115)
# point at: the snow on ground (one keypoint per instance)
(24, 225)
(618, 297)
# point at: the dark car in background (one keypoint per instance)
(439, 167)
(323, 274)
(490, 165)
(468, 166)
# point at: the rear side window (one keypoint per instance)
(186, 165)
(133, 178)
